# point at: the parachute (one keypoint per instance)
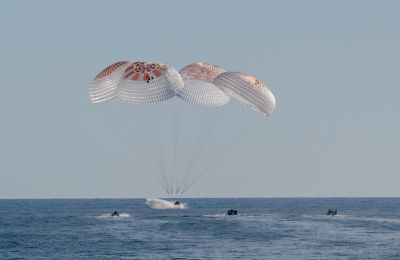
(247, 90)
(198, 85)
(104, 85)
(208, 86)
(136, 83)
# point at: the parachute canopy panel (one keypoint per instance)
(198, 85)
(148, 82)
(104, 85)
(247, 90)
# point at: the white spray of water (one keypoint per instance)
(121, 215)
(164, 204)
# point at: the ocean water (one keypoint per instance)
(266, 228)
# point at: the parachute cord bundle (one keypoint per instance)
(222, 155)
(207, 127)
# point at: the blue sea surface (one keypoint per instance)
(266, 228)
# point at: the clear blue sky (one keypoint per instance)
(333, 67)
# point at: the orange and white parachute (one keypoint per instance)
(198, 85)
(247, 90)
(104, 85)
(136, 82)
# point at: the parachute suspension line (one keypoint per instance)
(130, 145)
(176, 111)
(244, 135)
(194, 148)
(205, 131)
(159, 140)
(150, 152)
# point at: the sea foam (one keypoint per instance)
(164, 204)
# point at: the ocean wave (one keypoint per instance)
(354, 218)
(252, 217)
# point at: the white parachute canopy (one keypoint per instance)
(104, 85)
(198, 87)
(247, 90)
(136, 83)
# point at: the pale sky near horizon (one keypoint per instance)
(333, 66)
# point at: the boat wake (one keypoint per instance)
(121, 215)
